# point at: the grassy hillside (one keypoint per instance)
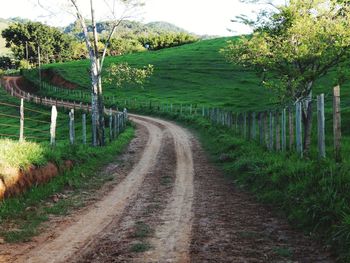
(191, 74)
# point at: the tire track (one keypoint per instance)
(172, 238)
(79, 235)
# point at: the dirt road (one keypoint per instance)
(171, 206)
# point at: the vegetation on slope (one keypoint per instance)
(194, 74)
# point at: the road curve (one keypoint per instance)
(80, 234)
(172, 238)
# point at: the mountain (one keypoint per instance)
(126, 28)
(161, 26)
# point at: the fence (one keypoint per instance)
(278, 130)
(270, 128)
(24, 121)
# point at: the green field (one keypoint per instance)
(191, 74)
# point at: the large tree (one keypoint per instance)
(293, 47)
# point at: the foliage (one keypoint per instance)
(296, 46)
(7, 62)
(121, 46)
(24, 64)
(54, 45)
(166, 40)
(122, 73)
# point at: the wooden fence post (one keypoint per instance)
(53, 125)
(337, 123)
(284, 138)
(261, 131)
(271, 122)
(21, 121)
(114, 126)
(71, 127)
(278, 131)
(110, 125)
(253, 126)
(291, 128)
(84, 127)
(249, 130)
(266, 130)
(321, 126)
(244, 132)
(298, 128)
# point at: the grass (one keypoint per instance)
(22, 217)
(312, 194)
(142, 230)
(20, 154)
(180, 76)
(140, 247)
(194, 74)
(25, 214)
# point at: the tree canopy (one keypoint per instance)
(25, 38)
(294, 46)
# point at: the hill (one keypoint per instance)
(126, 28)
(190, 74)
(161, 26)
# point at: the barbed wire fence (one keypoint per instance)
(20, 120)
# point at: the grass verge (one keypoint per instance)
(21, 218)
(313, 195)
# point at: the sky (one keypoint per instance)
(203, 17)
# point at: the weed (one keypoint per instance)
(140, 247)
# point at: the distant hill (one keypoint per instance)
(161, 26)
(127, 28)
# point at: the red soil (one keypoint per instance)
(57, 80)
(15, 181)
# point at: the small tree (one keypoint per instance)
(119, 10)
(293, 47)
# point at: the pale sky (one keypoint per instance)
(197, 16)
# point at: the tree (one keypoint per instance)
(96, 57)
(294, 47)
(25, 38)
